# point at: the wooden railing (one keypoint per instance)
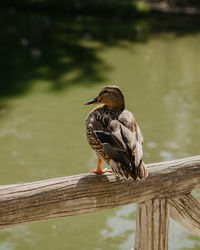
(166, 192)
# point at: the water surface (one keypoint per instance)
(49, 72)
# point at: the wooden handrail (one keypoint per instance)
(86, 193)
(166, 192)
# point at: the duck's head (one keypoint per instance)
(112, 97)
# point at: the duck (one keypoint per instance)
(114, 135)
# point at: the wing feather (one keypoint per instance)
(122, 140)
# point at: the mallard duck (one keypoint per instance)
(113, 133)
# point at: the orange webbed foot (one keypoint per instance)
(98, 170)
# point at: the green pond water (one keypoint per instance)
(50, 66)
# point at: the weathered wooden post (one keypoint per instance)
(152, 222)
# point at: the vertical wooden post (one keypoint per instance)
(152, 224)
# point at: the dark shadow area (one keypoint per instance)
(64, 50)
(36, 46)
(90, 179)
(117, 8)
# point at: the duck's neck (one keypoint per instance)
(117, 106)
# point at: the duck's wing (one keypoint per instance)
(114, 146)
(122, 141)
(117, 142)
(128, 120)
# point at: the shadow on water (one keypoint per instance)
(64, 50)
(38, 47)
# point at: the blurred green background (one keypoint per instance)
(54, 58)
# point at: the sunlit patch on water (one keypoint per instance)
(120, 227)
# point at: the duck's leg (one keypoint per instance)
(98, 171)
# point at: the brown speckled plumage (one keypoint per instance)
(115, 136)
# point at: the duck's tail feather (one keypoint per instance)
(119, 170)
(139, 173)
(142, 172)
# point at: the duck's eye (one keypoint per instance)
(105, 91)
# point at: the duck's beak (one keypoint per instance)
(95, 100)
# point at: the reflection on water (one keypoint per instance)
(120, 227)
(42, 130)
(187, 241)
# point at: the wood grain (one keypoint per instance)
(86, 193)
(186, 210)
(152, 223)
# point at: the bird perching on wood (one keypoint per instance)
(113, 133)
